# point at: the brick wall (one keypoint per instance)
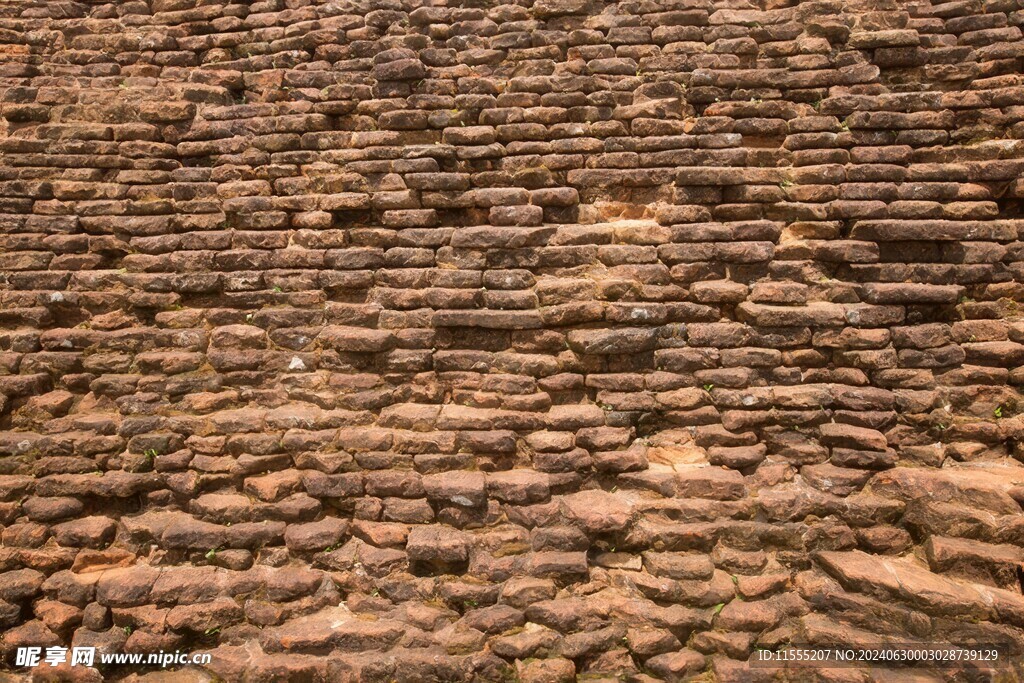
(469, 341)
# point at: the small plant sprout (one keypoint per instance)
(998, 412)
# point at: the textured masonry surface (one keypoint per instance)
(398, 341)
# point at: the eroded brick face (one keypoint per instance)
(371, 341)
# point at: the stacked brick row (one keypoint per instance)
(385, 341)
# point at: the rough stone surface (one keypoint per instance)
(465, 341)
